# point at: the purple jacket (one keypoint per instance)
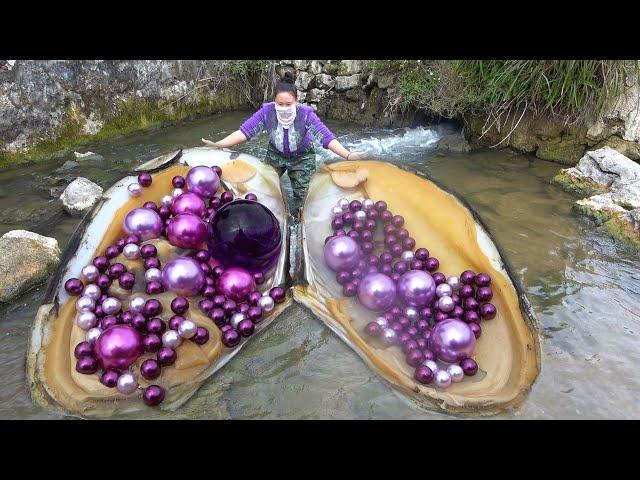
(291, 141)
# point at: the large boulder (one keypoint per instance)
(303, 80)
(344, 83)
(27, 260)
(325, 81)
(454, 143)
(80, 195)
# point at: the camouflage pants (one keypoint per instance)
(299, 168)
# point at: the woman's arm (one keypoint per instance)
(249, 129)
(336, 147)
(320, 131)
(231, 140)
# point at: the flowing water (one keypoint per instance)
(585, 290)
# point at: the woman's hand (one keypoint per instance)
(354, 156)
(209, 142)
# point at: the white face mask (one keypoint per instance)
(286, 115)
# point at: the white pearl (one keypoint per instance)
(153, 274)
(136, 304)
(382, 322)
(86, 320)
(433, 366)
(389, 336)
(456, 372)
(411, 313)
(90, 273)
(442, 379)
(131, 251)
(446, 304)
(166, 200)
(236, 318)
(407, 256)
(454, 282)
(360, 215)
(111, 305)
(92, 291)
(135, 189)
(368, 204)
(127, 384)
(85, 304)
(93, 334)
(344, 204)
(336, 212)
(444, 290)
(266, 303)
(177, 192)
(187, 328)
(170, 338)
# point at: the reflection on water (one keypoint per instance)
(584, 289)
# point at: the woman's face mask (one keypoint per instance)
(286, 114)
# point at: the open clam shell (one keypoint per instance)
(53, 380)
(508, 352)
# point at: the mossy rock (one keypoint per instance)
(574, 185)
(622, 233)
(628, 149)
(599, 216)
(566, 150)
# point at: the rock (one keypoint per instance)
(315, 67)
(566, 149)
(628, 149)
(303, 80)
(623, 118)
(606, 168)
(68, 165)
(302, 96)
(350, 67)
(347, 83)
(330, 68)
(80, 195)
(27, 260)
(385, 80)
(324, 81)
(454, 143)
(81, 157)
(314, 95)
(301, 64)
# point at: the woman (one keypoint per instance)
(292, 129)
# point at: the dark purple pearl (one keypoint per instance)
(482, 280)
(413, 331)
(205, 305)
(373, 215)
(408, 243)
(166, 356)
(109, 378)
(370, 225)
(153, 395)
(258, 277)
(422, 325)
(349, 289)
(457, 312)
(83, 349)
(251, 196)
(400, 267)
(373, 260)
(487, 311)
(396, 250)
(467, 277)
(229, 306)
(217, 169)
(359, 226)
(465, 291)
(343, 277)
(429, 354)
(127, 317)
(469, 366)
(372, 269)
(116, 269)
(145, 179)
(127, 280)
(254, 297)
(471, 316)
(243, 308)
(354, 234)
(102, 298)
(389, 229)
(209, 281)
(403, 337)
(423, 374)
(422, 343)
(218, 270)
(404, 321)
(74, 286)
(108, 321)
(340, 233)
(218, 300)
(112, 252)
(470, 303)
(395, 277)
(431, 264)
(421, 254)
(87, 365)
(337, 223)
(151, 262)
(409, 345)
(397, 327)
(152, 308)
(201, 337)
(225, 328)
(150, 369)
(390, 240)
(155, 325)
(148, 251)
(218, 316)
(175, 321)
(278, 294)
(426, 312)
(135, 239)
(415, 265)
(178, 181)
(120, 244)
(386, 268)
(151, 343)
(246, 327)
(426, 335)
(255, 314)
(150, 206)
(231, 338)
(441, 316)
(414, 357)
(226, 197)
(179, 305)
(209, 292)
(475, 328)
(154, 288)
(402, 233)
(386, 216)
(202, 256)
(389, 317)
(164, 211)
(386, 257)
(355, 205)
(98, 311)
(396, 311)
(484, 294)
(206, 268)
(397, 221)
(138, 321)
(373, 329)
(348, 218)
(356, 273)
(380, 205)
(101, 263)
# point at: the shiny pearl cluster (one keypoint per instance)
(151, 341)
(408, 305)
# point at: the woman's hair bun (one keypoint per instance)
(287, 78)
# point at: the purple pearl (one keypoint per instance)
(155, 325)
(187, 231)
(152, 308)
(409, 345)
(475, 328)
(226, 197)
(217, 271)
(251, 196)
(201, 337)
(465, 291)
(183, 276)
(278, 294)
(145, 179)
(386, 216)
(74, 286)
(112, 252)
(482, 280)
(484, 294)
(408, 243)
(487, 311)
(166, 356)
(440, 316)
(376, 292)
(236, 283)
(225, 328)
(396, 250)
(215, 203)
(373, 329)
(218, 300)
(148, 251)
(109, 378)
(150, 369)
(348, 218)
(426, 335)
(349, 289)
(164, 212)
(398, 328)
(153, 395)
(471, 316)
(218, 316)
(151, 262)
(421, 254)
(439, 278)
(108, 321)
(258, 277)
(143, 222)
(175, 321)
(343, 277)
(453, 340)
(178, 181)
(126, 317)
(229, 306)
(457, 312)
(380, 205)
(135, 239)
(179, 305)
(246, 327)
(422, 325)
(208, 292)
(255, 314)
(203, 181)
(423, 374)
(101, 263)
(429, 354)
(426, 312)
(415, 265)
(471, 303)
(395, 277)
(152, 343)
(189, 203)
(354, 235)
(386, 257)
(83, 349)
(467, 277)
(432, 264)
(397, 221)
(154, 287)
(404, 321)
(469, 366)
(403, 337)
(138, 321)
(243, 308)
(205, 305)
(127, 280)
(231, 338)
(400, 267)
(414, 357)
(116, 269)
(355, 205)
(413, 331)
(150, 206)
(416, 288)
(396, 311)
(253, 297)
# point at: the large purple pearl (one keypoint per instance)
(376, 292)
(341, 253)
(186, 231)
(143, 222)
(183, 276)
(245, 234)
(189, 203)
(417, 288)
(203, 181)
(236, 283)
(453, 340)
(118, 347)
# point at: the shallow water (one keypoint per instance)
(584, 290)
